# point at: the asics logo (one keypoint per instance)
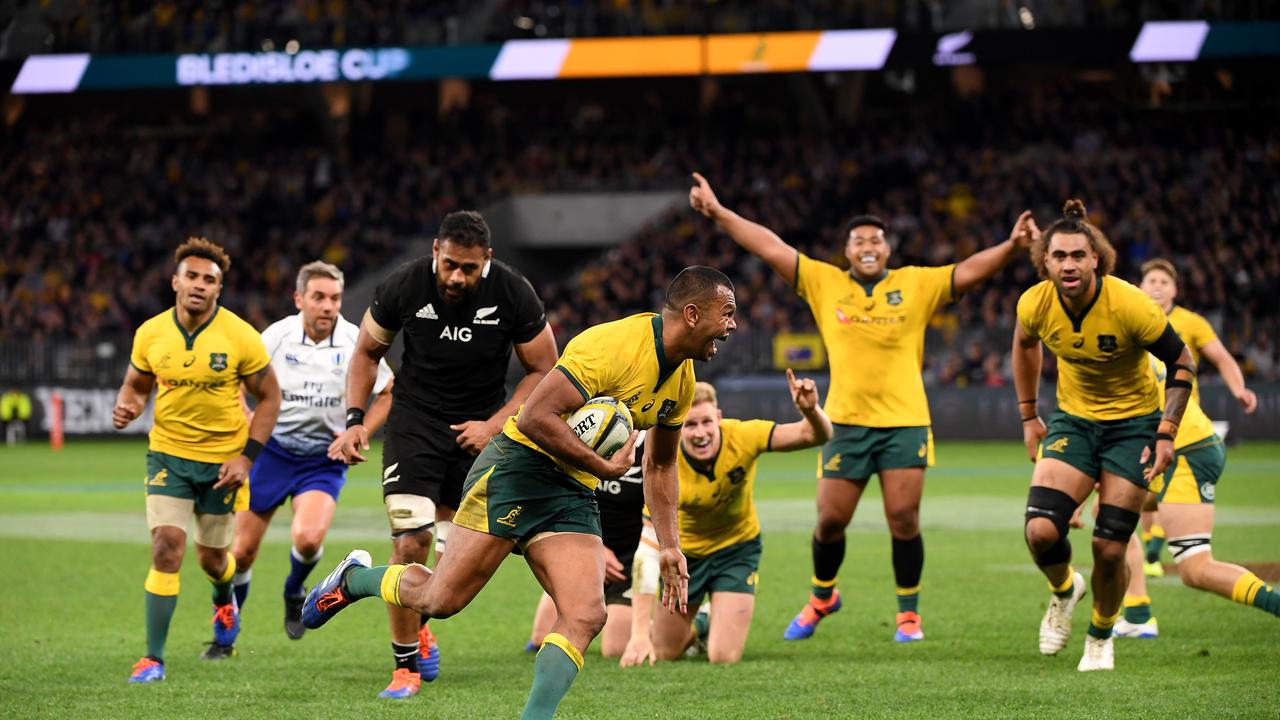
(328, 600)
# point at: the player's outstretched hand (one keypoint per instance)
(702, 198)
(639, 651)
(804, 392)
(473, 435)
(1159, 460)
(675, 580)
(1033, 432)
(623, 459)
(1025, 231)
(124, 413)
(349, 444)
(233, 472)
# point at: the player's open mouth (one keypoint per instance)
(700, 442)
(868, 259)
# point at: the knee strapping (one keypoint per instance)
(1187, 546)
(1053, 505)
(1115, 523)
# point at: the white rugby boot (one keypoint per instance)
(1055, 628)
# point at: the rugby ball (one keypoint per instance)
(603, 423)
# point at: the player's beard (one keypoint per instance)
(463, 296)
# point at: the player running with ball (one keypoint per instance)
(532, 486)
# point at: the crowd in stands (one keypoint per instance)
(93, 206)
(245, 25)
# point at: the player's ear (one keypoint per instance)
(173, 282)
(435, 250)
(692, 313)
(297, 299)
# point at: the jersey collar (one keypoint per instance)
(191, 339)
(665, 369)
(710, 472)
(1078, 321)
(868, 288)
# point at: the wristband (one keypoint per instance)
(1163, 436)
(1026, 420)
(355, 416)
(251, 449)
(1032, 401)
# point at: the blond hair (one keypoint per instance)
(1163, 266)
(704, 392)
(315, 269)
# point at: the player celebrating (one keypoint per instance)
(460, 312)
(1108, 423)
(200, 448)
(1160, 281)
(872, 320)
(719, 530)
(1187, 489)
(310, 352)
(532, 486)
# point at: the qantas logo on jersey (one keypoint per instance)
(426, 312)
(482, 316)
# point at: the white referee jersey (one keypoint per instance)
(313, 382)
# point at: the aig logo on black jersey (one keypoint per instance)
(457, 334)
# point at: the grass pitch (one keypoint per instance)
(74, 555)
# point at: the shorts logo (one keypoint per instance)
(510, 518)
(157, 480)
(218, 361)
(893, 297)
(833, 465)
(1058, 446)
(1207, 491)
(1107, 343)
(387, 477)
(753, 579)
(924, 449)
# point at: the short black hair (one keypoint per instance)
(466, 228)
(859, 220)
(695, 284)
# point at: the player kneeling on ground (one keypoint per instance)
(719, 529)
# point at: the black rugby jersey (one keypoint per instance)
(456, 354)
(621, 504)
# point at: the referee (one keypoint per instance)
(461, 313)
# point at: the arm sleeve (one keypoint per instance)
(1202, 334)
(1148, 323)
(138, 355)
(809, 273)
(388, 298)
(938, 284)
(272, 337)
(1168, 346)
(759, 434)
(531, 317)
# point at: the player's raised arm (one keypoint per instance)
(132, 397)
(981, 265)
(662, 497)
(1216, 353)
(537, 357)
(1027, 359)
(753, 237)
(541, 421)
(815, 429)
(371, 345)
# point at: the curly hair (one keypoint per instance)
(203, 248)
(1073, 221)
